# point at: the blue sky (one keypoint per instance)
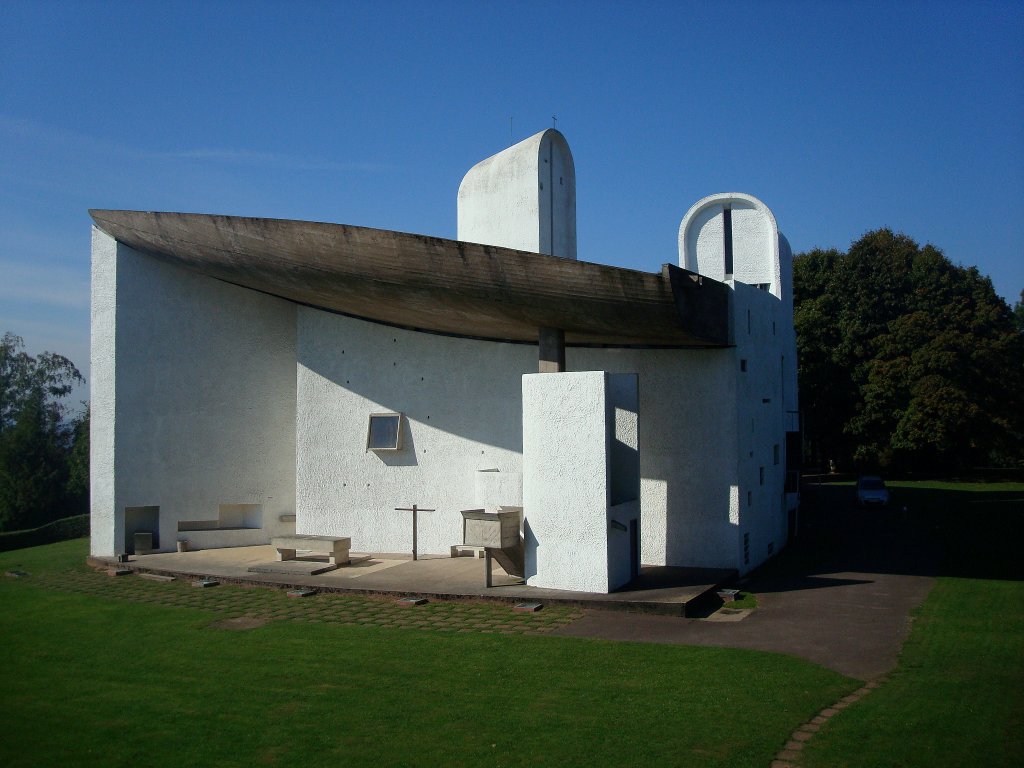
(842, 117)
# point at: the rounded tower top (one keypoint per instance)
(524, 197)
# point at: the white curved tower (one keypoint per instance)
(523, 197)
(733, 236)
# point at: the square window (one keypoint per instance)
(775, 453)
(384, 432)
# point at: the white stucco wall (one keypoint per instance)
(463, 413)
(566, 480)
(760, 422)
(622, 422)
(763, 359)
(207, 394)
(462, 406)
(523, 197)
(755, 239)
(194, 396)
(687, 438)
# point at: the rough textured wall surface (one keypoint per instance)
(755, 240)
(687, 438)
(622, 417)
(523, 197)
(462, 404)
(566, 480)
(107, 528)
(764, 359)
(462, 412)
(760, 425)
(196, 396)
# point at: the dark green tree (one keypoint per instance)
(35, 437)
(906, 360)
(78, 467)
(33, 468)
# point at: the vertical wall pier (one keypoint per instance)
(552, 350)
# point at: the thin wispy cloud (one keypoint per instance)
(52, 136)
(45, 284)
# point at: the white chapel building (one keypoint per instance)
(259, 377)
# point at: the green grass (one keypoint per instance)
(120, 671)
(956, 698)
(957, 695)
(743, 600)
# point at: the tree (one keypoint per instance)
(35, 436)
(906, 360)
(22, 377)
(78, 467)
(33, 468)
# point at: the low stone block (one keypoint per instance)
(155, 577)
(119, 571)
(205, 583)
(527, 607)
(411, 602)
(301, 592)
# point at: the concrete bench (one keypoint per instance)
(336, 548)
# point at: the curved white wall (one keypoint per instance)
(462, 406)
(755, 241)
(462, 400)
(523, 198)
(193, 396)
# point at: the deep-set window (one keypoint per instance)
(384, 432)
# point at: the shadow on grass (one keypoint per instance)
(928, 529)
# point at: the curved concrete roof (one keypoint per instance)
(433, 284)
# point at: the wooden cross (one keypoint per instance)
(414, 509)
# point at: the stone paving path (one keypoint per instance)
(248, 607)
(789, 756)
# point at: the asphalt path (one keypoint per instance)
(842, 596)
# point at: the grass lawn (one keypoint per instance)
(957, 696)
(118, 672)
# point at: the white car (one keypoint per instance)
(871, 492)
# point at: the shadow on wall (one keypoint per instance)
(404, 456)
(471, 389)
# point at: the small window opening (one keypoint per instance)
(761, 475)
(746, 549)
(743, 366)
(384, 432)
(748, 321)
(727, 236)
(775, 453)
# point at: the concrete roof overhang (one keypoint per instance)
(433, 284)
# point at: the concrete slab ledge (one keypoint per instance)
(293, 567)
(669, 592)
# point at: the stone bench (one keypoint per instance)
(336, 548)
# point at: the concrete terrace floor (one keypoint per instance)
(659, 590)
(843, 598)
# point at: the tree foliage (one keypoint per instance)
(906, 359)
(37, 441)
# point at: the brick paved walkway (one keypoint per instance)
(250, 606)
